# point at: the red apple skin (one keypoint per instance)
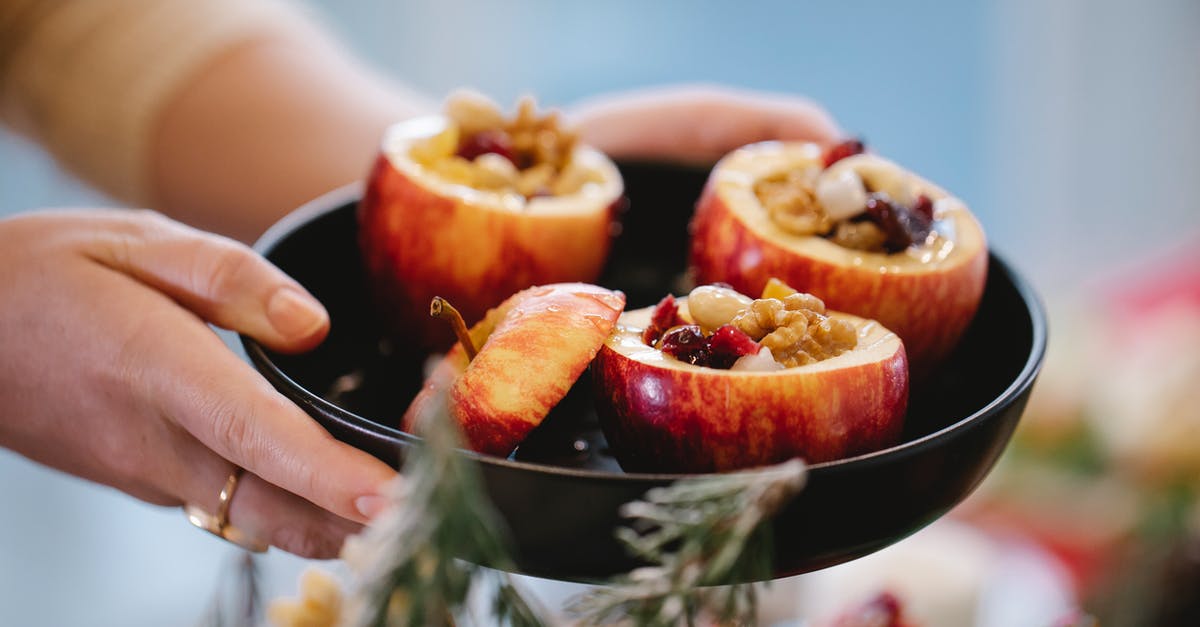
(695, 420)
(929, 308)
(418, 242)
(532, 348)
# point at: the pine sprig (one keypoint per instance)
(695, 533)
(417, 564)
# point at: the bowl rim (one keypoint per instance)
(339, 198)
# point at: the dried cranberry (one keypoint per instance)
(924, 207)
(902, 225)
(845, 149)
(494, 141)
(686, 343)
(665, 316)
(727, 344)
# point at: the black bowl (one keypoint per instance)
(561, 490)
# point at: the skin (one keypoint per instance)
(108, 369)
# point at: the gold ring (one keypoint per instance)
(218, 524)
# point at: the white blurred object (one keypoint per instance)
(947, 575)
(1146, 407)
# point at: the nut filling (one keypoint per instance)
(856, 201)
(728, 330)
(796, 329)
(529, 154)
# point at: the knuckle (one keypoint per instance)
(218, 275)
(306, 540)
(232, 434)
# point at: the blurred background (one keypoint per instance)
(1072, 128)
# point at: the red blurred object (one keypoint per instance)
(884, 610)
(845, 149)
(1172, 278)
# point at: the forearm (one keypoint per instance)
(306, 118)
(225, 113)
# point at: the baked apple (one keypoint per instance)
(530, 350)
(474, 205)
(718, 381)
(852, 228)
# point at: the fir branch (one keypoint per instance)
(695, 533)
(418, 562)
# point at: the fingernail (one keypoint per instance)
(294, 314)
(370, 506)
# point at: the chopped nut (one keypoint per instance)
(540, 155)
(796, 329)
(473, 112)
(438, 147)
(495, 172)
(792, 204)
(572, 178)
(535, 181)
(712, 306)
(859, 236)
(456, 170)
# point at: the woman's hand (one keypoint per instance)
(110, 372)
(697, 123)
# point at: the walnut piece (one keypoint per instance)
(796, 329)
(859, 236)
(541, 149)
(791, 202)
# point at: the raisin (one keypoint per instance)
(845, 149)
(902, 225)
(686, 343)
(727, 344)
(493, 141)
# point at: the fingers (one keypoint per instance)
(188, 375)
(698, 123)
(219, 399)
(286, 521)
(220, 280)
(257, 509)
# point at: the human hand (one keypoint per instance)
(109, 372)
(696, 123)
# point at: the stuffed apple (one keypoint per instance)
(850, 227)
(718, 381)
(474, 205)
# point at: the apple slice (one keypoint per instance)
(927, 292)
(531, 349)
(472, 206)
(661, 414)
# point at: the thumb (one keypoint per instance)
(220, 280)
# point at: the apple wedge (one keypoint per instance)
(458, 206)
(927, 291)
(662, 414)
(531, 349)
